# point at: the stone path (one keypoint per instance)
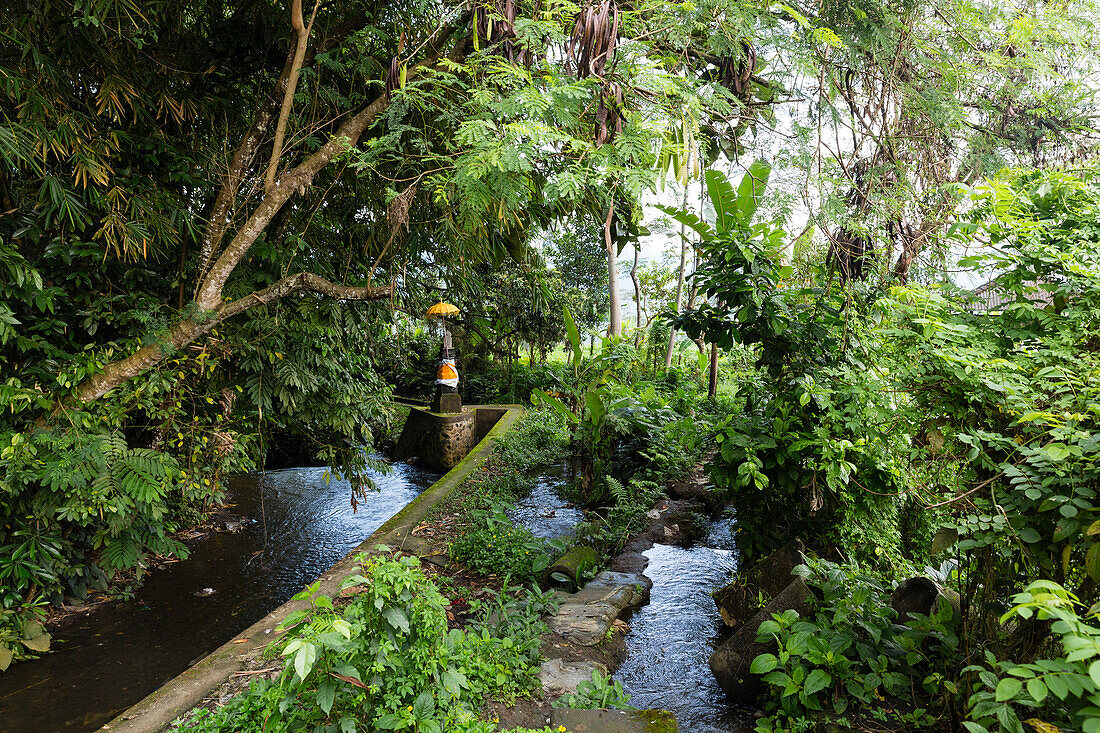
(586, 617)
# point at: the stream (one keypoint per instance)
(671, 637)
(297, 525)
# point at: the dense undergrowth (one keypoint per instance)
(386, 660)
(911, 430)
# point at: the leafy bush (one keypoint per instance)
(387, 661)
(1062, 693)
(609, 530)
(599, 693)
(851, 651)
(494, 545)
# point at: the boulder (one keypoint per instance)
(736, 604)
(629, 562)
(613, 721)
(585, 624)
(773, 573)
(559, 677)
(741, 599)
(921, 596)
(730, 662)
(621, 590)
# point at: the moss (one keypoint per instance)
(657, 721)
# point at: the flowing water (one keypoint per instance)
(543, 512)
(297, 525)
(671, 638)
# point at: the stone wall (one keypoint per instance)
(441, 440)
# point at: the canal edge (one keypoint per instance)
(175, 697)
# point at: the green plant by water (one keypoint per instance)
(386, 660)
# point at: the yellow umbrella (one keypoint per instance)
(442, 309)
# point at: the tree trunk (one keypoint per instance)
(712, 385)
(637, 297)
(215, 268)
(615, 320)
(679, 284)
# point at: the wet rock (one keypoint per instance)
(621, 590)
(685, 526)
(559, 678)
(613, 721)
(921, 595)
(629, 562)
(736, 604)
(772, 574)
(738, 601)
(583, 623)
(205, 592)
(698, 487)
(730, 662)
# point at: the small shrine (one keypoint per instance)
(445, 397)
(443, 432)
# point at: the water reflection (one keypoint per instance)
(298, 525)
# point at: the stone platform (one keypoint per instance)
(442, 439)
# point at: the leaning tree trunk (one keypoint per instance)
(615, 320)
(217, 263)
(712, 383)
(679, 283)
(637, 298)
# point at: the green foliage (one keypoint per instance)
(386, 660)
(851, 654)
(619, 426)
(22, 635)
(1063, 691)
(493, 545)
(625, 516)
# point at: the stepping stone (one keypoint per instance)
(585, 616)
(583, 623)
(622, 590)
(559, 678)
(613, 721)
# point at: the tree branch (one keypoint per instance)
(301, 31)
(346, 137)
(303, 282)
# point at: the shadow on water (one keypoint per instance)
(543, 512)
(671, 638)
(102, 664)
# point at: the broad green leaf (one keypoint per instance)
(304, 659)
(574, 335)
(816, 681)
(453, 681)
(326, 694)
(763, 664)
(1092, 561)
(1037, 689)
(723, 198)
(1008, 688)
(396, 618)
(750, 192)
(5, 657)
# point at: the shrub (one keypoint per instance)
(387, 661)
(851, 651)
(493, 545)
